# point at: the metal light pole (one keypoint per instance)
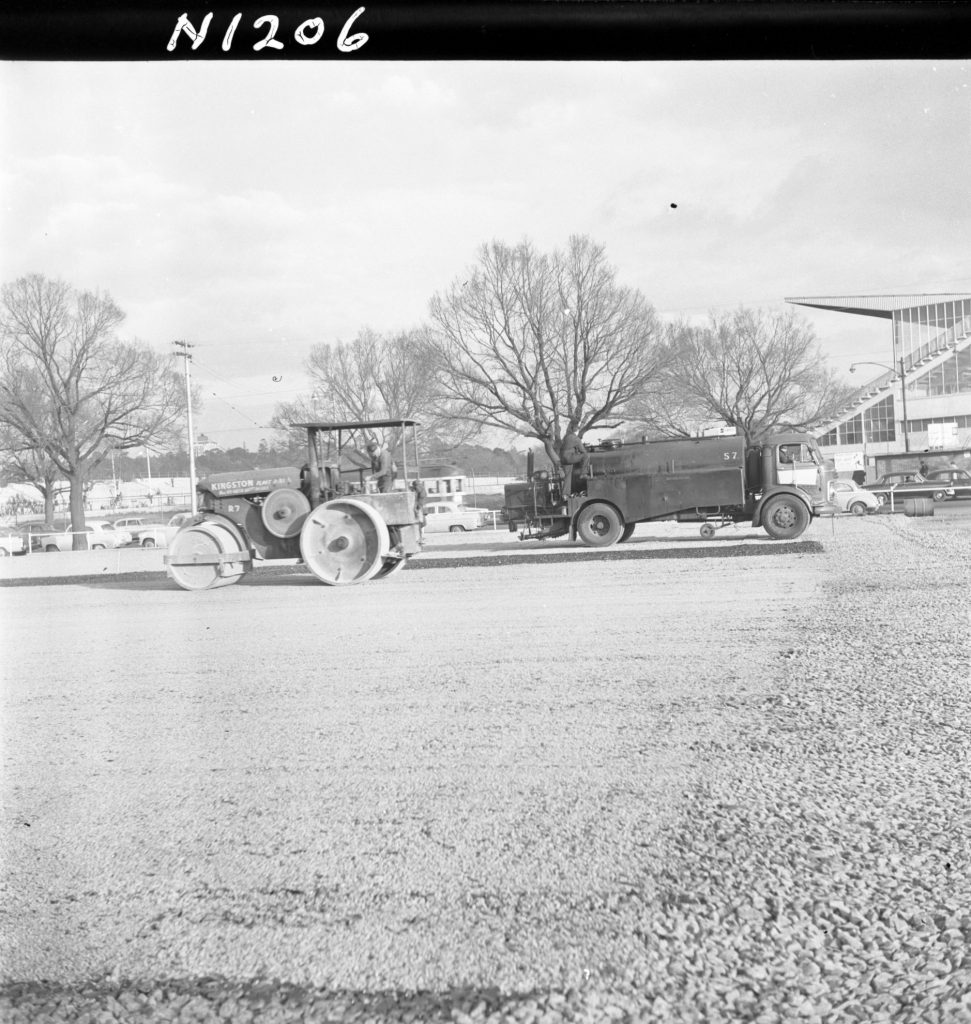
(148, 468)
(903, 390)
(185, 346)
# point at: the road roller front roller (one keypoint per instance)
(207, 554)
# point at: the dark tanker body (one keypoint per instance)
(779, 484)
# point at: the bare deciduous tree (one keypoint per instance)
(23, 464)
(71, 389)
(542, 344)
(376, 377)
(755, 371)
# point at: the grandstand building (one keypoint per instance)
(919, 401)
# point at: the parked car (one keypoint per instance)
(849, 496)
(132, 524)
(959, 480)
(140, 528)
(446, 518)
(909, 485)
(122, 536)
(97, 539)
(12, 544)
(159, 535)
(36, 534)
(489, 516)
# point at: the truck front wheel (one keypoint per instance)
(784, 517)
(599, 525)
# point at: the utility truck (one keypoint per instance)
(779, 483)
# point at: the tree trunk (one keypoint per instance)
(48, 487)
(77, 511)
(552, 447)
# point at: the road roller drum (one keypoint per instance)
(344, 542)
(206, 555)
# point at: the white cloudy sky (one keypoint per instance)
(255, 209)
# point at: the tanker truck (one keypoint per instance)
(313, 514)
(779, 483)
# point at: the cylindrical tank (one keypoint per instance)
(769, 476)
(918, 506)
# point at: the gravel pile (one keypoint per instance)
(827, 875)
(820, 873)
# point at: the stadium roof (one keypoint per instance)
(357, 424)
(874, 305)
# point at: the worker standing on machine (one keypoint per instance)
(573, 455)
(382, 467)
(420, 494)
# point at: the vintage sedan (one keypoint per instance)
(98, 539)
(849, 496)
(959, 480)
(35, 534)
(900, 486)
(442, 517)
(142, 529)
(158, 535)
(122, 536)
(133, 525)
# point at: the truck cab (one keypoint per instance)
(793, 460)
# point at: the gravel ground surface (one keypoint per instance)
(703, 788)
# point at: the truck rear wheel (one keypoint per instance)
(599, 525)
(784, 517)
(628, 532)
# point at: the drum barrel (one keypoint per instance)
(918, 506)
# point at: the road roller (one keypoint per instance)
(323, 514)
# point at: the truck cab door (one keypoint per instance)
(795, 465)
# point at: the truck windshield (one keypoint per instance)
(792, 453)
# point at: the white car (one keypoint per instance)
(98, 539)
(132, 525)
(158, 536)
(122, 536)
(445, 518)
(12, 544)
(144, 532)
(848, 496)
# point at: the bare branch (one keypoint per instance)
(539, 344)
(70, 389)
(752, 370)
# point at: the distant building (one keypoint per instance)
(443, 481)
(921, 400)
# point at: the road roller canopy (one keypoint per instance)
(325, 458)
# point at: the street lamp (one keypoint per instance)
(903, 389)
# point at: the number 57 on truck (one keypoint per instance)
(779, 483)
